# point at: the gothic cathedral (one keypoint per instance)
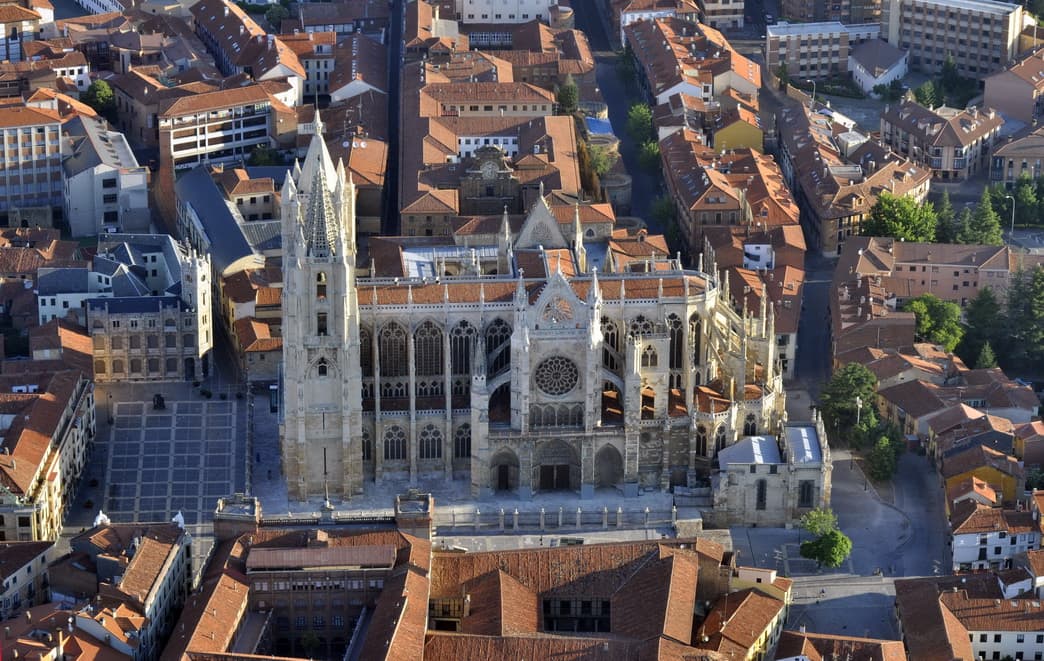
(548, 352)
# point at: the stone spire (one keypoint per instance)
(578, 241)
(320, 219)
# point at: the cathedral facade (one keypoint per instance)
(547, 356)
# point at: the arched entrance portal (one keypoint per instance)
(503, 471)
(609, 469)
(557, 467)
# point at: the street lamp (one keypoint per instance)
(1009, 197)
(859, 408)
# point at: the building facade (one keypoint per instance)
(1016, 92)
(527, 370)
(24, 575)
(31, 151)
(980, 35)
(952, 143)
(814, 50)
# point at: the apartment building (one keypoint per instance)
(626, 12)
(139, 576)
(722, 14)
(240, 46)
(739, 188)
(1016, 92)
(836, 174)
(18, 25)
(30, 150)
(970, 616)
(23, 571)
(982, 36)
(503, 11)
(954, 144)
(360, 65)
(104, 188)
(814, 50)
(343, 18)
(315, 50)
(219, 126)
(986, 537)
(953, 272)
(48, 424)
(677, 56)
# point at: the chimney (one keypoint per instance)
(226, 11)
(28, 617)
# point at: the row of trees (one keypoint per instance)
(640, 128)
(950, 89)
(903, 218)
(1007, 330)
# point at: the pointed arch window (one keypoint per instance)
(750, 425)
(392, 347)
(719, 439)
(320, 286)
(322, 368)
(701, 441)
(761, 500)
(428, 347)
(649, 357)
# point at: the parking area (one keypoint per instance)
(182, 458)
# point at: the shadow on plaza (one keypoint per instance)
(866, 614)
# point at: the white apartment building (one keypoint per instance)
(102, 6)
(650, 10)
(985, 537)
(722, 14)
(981, 35)
(222, 126)
(19, 25)
(503, 11)
(105, 190)
(30, 154)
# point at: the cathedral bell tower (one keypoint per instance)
(322, 406)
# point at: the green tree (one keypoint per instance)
(1018, 316)
(819, 521)
(588, 177)
(840, 398)
(927, 95)
(1035, 479)
(602, 160)
(828, 550)
(962, 228)
(639, 122)
(901, 217)
(265, 155)
(1025, 201)
(945, 220)
(986, 359)
(881, 460)
(662, 210)
(984, 225)
(649, 156)
(275, 15)
(568, 96)
(100, 97)
(950, 79)
(1035, 331)
(783, 75)
(983, 323)
(938, 321)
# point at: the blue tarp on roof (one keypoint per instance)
(598, 126)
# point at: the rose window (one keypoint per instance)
(556, 376)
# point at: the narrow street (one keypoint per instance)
(813, 353)
(396, 53)
(645, 187)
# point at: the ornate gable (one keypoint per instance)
(557, 306)
(540, 229)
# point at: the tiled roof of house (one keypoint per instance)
(942, 126)
(14, 556)
(972, 518)
(826, 647)
(253, 336)
(737, 621)
(214, 100)
(980, 456)
(972, 485)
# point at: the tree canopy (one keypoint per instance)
(938, 321)
(265, 155)
(901, 217)
(100, 97)
(984, 324)
(568, 96)
(945, 220)
(984, 226)
(840, 401)
(649, 156)
(829, 550)
(819, 521)
(639, 122)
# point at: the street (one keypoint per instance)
(645, 187)
(813, 352)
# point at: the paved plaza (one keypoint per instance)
(182, 459)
